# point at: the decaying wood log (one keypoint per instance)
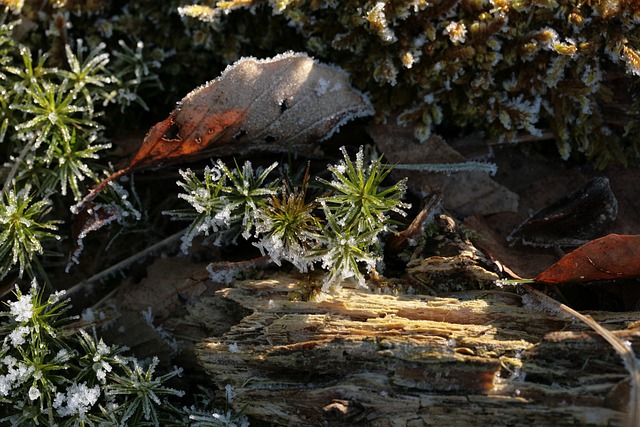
(364, 358)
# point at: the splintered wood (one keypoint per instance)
(364, 358)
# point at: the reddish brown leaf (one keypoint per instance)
(610, 257)
(288, 102)
(195, 131)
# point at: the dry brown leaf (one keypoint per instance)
(466, 193)
(572, 220)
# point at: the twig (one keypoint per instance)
(545, 136)
(448, 168)
(125, 263)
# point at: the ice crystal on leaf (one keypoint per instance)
(78, 400)
(17, 336)
(22, 309)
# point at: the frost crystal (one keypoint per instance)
(101, 366)
(78, 399)
(22, 309)
(378, 23)
(63, 356)
(229, 393)
(223, 275)
(203, 13)
(456, 31)
(34, 393)
(322, 87)
(17, 335)
(17, 373)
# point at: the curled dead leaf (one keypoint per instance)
(572, 220)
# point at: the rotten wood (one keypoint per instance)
(361, 357)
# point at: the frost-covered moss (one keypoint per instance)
(510, 67)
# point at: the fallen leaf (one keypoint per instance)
(466, 193)
(614, 256)
(573, 219)
(288, 102)
(517, 262)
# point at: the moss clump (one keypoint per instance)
(510, 67)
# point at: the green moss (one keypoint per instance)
(508, 67)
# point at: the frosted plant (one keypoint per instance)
(359, 202)
(248, 192)
(51, 375)
(342, 251)
(341, 231)
(133, 71)
(74, 163)
(218, 418)
(22, 230)
(98, 358)
(209, 212)
(88, 75)
(286, 226)
(52, 108)
(224, 203)
(357, 214)
(145, 391)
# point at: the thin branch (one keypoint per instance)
(126, 262)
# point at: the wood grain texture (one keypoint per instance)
(365, 358)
